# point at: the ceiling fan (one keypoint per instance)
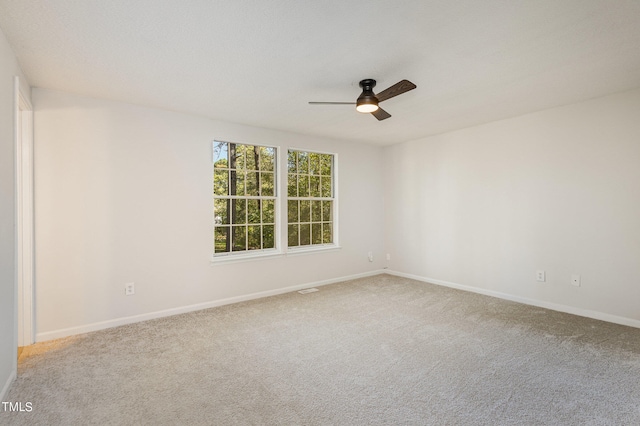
(368, 101)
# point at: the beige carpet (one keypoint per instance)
(380, 350)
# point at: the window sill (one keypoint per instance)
(297, 251)
(237, 258)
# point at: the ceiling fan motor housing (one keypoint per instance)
(367, 97)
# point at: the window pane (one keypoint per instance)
(244, 191)
(252, 157)
(292, 162)
(268, 236)
(305, 211)
(316, 211)
(267, 158)
(236, 184)
(221, 239)
(316, 233)
(326, 186)
(267, 188)
(254, 238)
(326, 210)
(220, 155)
(325, 164)
(243, 150)
(221, 182)
(253, 211)
(268, 211)
(303, 162)
(221, 211)
(292, 185)
(303, 186)
(293, 235)
(251, 183)
(314, 163)
(305, 235)
(327, 235)
(239, 238)
(314, 183)
(239, 211)
(292, 211)
(236, 156)
(310, 178)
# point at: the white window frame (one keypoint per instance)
(258, 253)
(334, 214)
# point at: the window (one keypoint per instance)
(244, 197)
(310, 201)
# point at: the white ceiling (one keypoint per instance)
(260, 62)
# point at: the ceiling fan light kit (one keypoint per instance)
(367, 106)
(368, 101)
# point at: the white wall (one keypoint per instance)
(557, 190)
(8, 351)
(123, 194)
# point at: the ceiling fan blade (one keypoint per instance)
(380, 114)
(397, 89)
(332, 103)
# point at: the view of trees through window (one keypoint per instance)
(310, 198)
(245, 198)
(244, 189)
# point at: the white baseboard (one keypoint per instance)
(56, 334)
(7, 385)
(533, 302)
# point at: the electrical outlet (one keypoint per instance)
(370, 255)
(575, 280)
(540, 276)
(129, 289)
(388, 256)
